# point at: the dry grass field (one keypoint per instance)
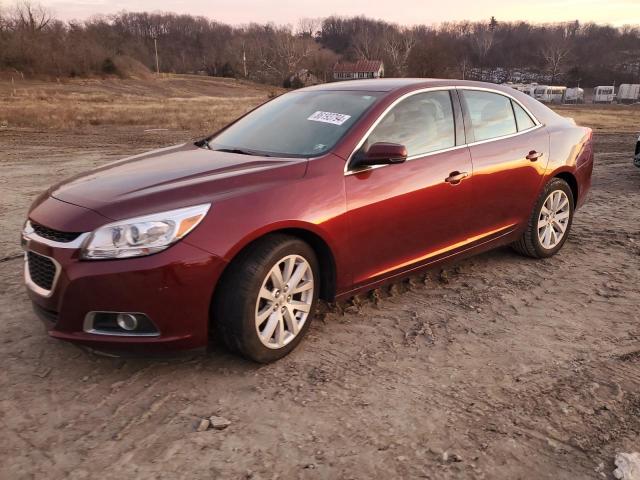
(497, 367)
(172, 102)
(184, 102)
(604, 118)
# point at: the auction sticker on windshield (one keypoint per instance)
(329, 117)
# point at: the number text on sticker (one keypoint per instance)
(329, 117)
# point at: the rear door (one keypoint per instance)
(404, 215)
(510, 151)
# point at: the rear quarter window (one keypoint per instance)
(523, 120)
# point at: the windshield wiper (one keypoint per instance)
(233, 150)
(206, 144)
(239, 151)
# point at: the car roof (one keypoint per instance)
(392, 84)
(375, 85)
(399, 86)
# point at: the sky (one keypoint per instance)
(404, 12)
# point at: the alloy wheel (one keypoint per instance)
(284, 301)
(553, 219)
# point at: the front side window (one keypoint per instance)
(490, 113)
(296, 124)
(423, 123)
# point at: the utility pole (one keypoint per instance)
(244, 61)
(155, 44)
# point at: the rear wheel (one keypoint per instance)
(267, 298)
(550, 221)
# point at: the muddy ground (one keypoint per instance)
(501, 367)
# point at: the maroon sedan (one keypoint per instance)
(323, 192)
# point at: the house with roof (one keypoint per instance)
(358, 70)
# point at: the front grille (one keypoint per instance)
(42, 270)
(55, 235)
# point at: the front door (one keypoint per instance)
(405, 215)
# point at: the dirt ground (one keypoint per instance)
(498, 367)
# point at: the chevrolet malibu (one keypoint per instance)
(320, 193)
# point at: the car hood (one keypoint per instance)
(170, 178)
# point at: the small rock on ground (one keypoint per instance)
(219, 423)
(203, 425)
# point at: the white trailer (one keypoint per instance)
(628, 93)
(574, 95)
(540, 91)
(604, 94)
(530, 89)
(549, 94)
(521, 87)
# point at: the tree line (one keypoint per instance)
(32, 41)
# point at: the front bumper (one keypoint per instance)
(173, 288)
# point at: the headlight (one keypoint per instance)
(141, 236)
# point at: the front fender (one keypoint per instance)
(314, 203)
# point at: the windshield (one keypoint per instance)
(297, 124)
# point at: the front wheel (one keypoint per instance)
(550, 221)
(267, 298)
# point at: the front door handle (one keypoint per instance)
(456, 177)
(533, 155)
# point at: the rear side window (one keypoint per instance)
(422, 122)
(523, 119)
(491, 114)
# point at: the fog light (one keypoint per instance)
(120, 323)
(127, 321)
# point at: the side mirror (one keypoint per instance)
(382, 153)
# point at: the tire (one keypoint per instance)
(240, 300)
(531, 244)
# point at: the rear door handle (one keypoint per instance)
(533, 155)
(456, 177)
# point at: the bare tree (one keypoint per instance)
(320, 63)
(464, 65)
(364, 44)
(277, 53)
(398, 45)
(30, 17)
(554, 53)
(482, 43)
(308, 27)
(289, 51)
